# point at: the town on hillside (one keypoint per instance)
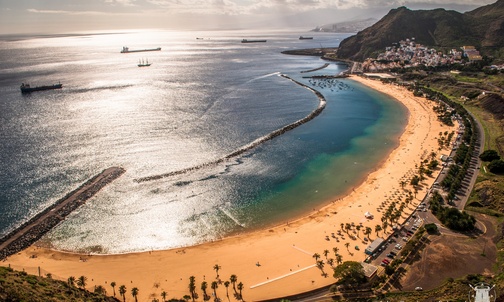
(409, 54)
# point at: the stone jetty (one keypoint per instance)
(32, 230)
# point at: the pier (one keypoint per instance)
(32, 230)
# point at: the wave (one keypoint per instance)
(263, 76)
(253, 144)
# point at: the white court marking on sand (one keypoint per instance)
(301, 250)
(281, 277)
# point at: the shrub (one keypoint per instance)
(496, 166)
(431, 228)
(489, 155)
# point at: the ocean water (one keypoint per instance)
(200, 100)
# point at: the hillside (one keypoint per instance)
(19, 286)
(482, 27)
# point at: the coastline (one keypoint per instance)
(284, 252)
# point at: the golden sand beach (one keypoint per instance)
(270, 263)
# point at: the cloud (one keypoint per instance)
(121, 2)
(65, 12)
(211, 7)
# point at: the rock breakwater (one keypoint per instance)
(255, 143)
(32, 230)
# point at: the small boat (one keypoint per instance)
(141, 63)
(25, 88)
(127, 50)
(305, 38)
(252, 41)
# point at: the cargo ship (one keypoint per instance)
(127, 50)
(25, 88)
(252, 41)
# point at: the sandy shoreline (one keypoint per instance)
(284, 252)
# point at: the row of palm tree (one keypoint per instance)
(338, 259)
(81, 282)
(214, 285)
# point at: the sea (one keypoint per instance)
(204, 96)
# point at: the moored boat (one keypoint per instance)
(26, 88)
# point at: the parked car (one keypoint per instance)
(393, 253)
(386, 261)
(390, 255)
(418, 288)
(398, 246)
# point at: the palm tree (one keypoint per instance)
(163, 295)
(367, 231)
(240, 287)
(330, 261)
(335, 250)
(214, 286)
(71, 281)
(385, 225)
(339, 259)
(226, 284)
(316, 256)
(134, 293)
(113, 284)
(233, 280)
(358, 227)
(192, 287)
(377, 229)
(326, 252)
(348, 226)
(100, 290)
(320, 264)
(347, 245)
(81, 282)
(217, 268)
(342, 226)
(204, 286)
(122, 292)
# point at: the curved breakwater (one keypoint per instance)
(253, 144)
(315, 69)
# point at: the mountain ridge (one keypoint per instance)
(482, 27)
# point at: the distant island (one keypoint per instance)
(347, 26)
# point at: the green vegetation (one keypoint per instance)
(20, 286)
(489, 155)
(431, 228)
(451, 217)
(496, 166)
(350, 273)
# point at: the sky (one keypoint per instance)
(67, 16)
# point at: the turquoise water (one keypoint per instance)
(199, 101)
